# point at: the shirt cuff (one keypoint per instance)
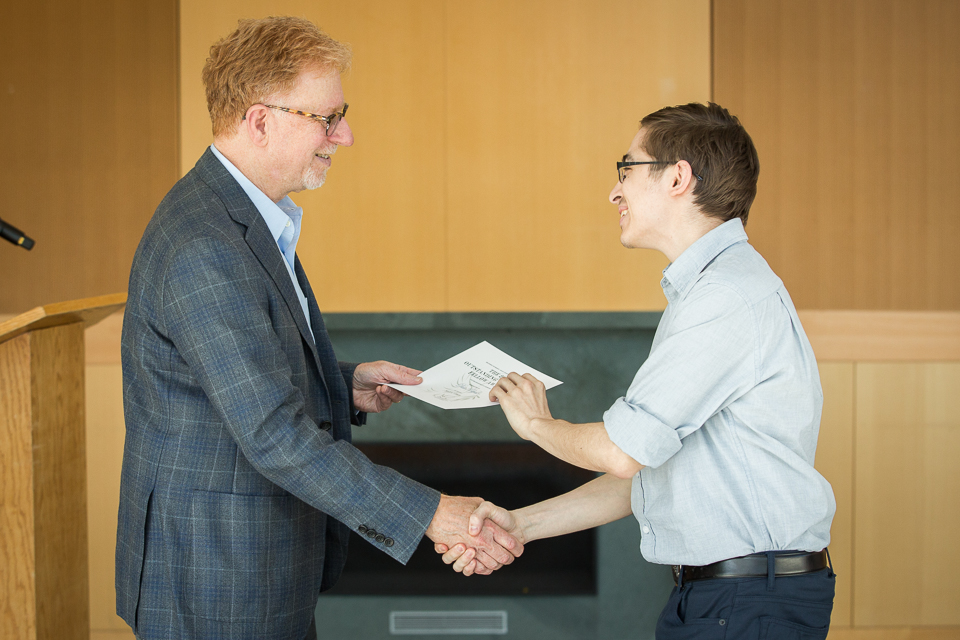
(640, 435)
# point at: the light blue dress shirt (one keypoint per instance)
(283, 219)
(725, 414)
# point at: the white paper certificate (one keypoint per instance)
(464, 381)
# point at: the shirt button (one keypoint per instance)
(646, 529)
(288, 223)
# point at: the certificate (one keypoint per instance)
(465, 380)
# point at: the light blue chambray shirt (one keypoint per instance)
(283, 219)
(725, 414)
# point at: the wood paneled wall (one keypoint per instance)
(88, 98)
(486, 137)
(852, 105)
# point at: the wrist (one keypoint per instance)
(538, 427)
(435, 530)
(523, 530)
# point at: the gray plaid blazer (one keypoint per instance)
(239, 485)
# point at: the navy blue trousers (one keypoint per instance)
(783, 608)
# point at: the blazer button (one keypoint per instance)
(380, 537)
(371, 533)
(362, 528)
(388, 542)
(326, 425)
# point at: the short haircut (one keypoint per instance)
(718, 149)
(261, 58)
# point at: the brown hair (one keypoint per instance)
(261, 58)
(718, 149)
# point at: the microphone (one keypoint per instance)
(12, 234)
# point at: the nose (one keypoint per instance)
(616, 194)
(343, 134)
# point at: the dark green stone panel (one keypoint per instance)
(596, 355)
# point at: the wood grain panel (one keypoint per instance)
(17, 550)
(86, 312)
(119, 634)
(103, 341)
(104, 446)
(872, 336)
(105, 436)
(373, 236)
(852, 107)
(834, 454)
(483, 130)
(59, 482)
(907, 444)
(91, 87)
(544, 97)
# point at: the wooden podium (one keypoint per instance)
(44, 582)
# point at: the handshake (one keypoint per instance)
(493, 535)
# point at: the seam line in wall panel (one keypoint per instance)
(713, 67)
(446, 159)
(853, 503)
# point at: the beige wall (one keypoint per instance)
(88, 98)
(853, 107)
(888, 441)
(486, 137)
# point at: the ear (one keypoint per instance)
(682, 179)
(255, 124)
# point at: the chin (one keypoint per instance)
(313, 181)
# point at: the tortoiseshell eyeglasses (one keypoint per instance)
(329, 122)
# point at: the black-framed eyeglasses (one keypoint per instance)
(623, 165)
(329, 122)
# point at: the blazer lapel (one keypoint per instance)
(338, 388)
(258, 238)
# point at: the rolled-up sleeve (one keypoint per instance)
(704, 356)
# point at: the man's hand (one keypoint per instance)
(490, 546)
(523, 400)
(370, 392)
(462, 557)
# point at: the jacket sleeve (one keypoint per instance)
(215, 310)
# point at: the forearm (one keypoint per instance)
(584, 445)
(597, 502)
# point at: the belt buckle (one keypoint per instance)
(676, 568)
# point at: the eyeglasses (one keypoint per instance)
(329, 122)
(623, 165)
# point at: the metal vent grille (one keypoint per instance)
(405, 623)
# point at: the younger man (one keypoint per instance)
(712, 447)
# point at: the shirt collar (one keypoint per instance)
(683, 272)
(275, 214)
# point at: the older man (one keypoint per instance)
(712, 446)
(240, 486)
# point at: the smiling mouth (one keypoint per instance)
(325, 156)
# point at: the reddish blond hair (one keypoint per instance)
(261, 58)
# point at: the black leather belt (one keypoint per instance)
(786, 563)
